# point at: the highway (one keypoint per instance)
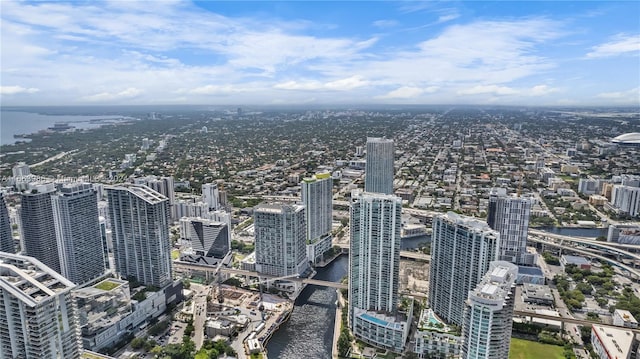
(588, 254)
(403, 254)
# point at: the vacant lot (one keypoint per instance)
(526, 349)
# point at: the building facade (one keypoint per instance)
(208, 238)
(38, 229)
(140, 229)
(461, 250)
(77, 225)
(39, 316)
(510, 217)
(280, 237)
(379, 166)
(488, 315)
(317, 197)
(210, 195)
(374, 265)
(6, 236)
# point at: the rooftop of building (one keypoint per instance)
(625, 315)
(577, 260)
(140, 191)
(469, 222)
(617, 342)
(431, 322)
(29, 280)
(628, 138)
(277, 207)
(496, 284)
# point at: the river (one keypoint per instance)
(309, 331)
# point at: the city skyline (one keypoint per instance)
(507, 53)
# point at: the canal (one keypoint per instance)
(309, 331)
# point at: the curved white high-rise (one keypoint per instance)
(488, 316)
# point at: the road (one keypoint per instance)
(199, 313)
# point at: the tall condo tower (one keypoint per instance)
(38, 229)
(379, 166)
(461, 250)
(210, 195)
(488, 315)
(6, 238)
(38, 314)
(77, 225)
(317, 199)
(374, 265)
(510, 217)
(280, 239)
(139, 221)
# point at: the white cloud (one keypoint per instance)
(541, 90)
(448, 17)
(128, 93)
(619, 45)
(386, 23)
(488, 89)
(344, 84)
(406, 92)
(13, 90)
(631, 96)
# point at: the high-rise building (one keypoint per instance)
(510, 217)
(208, 238)
(626, 200)
(461, 249)
(317, 199)
(140, 228)
(77, 228)
(488, 315)
(374, 265)
(38, 228)
(162, 185)
(39, 317)
(379, 166)
(6, 236)
(210, 195)
(280, 233)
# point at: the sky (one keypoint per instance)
(125, 52)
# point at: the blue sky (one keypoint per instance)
(329, 52)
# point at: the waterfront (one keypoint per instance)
(17, 122)
(309, 331)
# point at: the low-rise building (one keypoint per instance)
(435, 339)
(580, 262)
(611, 343)
(537, 294)
(624, 318)
(531, 275)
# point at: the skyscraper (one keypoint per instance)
(6, 237)
(374, 265)
(461, 250)
(510, 217)
(38, 314)
(77, 227)
(379, 166)
(141, 245)
(280, 233)
(210, 195)
(488, 316)
(38, 228)
(317, 199)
